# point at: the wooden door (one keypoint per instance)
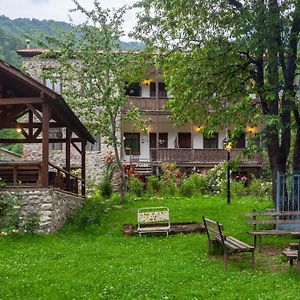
(184, 140)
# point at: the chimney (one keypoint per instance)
(28, 43)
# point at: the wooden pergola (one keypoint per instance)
(32, 108)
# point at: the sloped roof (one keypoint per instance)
(24, 85)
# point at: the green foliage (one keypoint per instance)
(11, 134)
(135, 186)
(96, 77)
(170, 174)
(9, 212)
(200, 182)
(237, 188)
(105, 189)
(260, 188)
(153, 185)
(187, 187)
(90, 214)
(31, 223)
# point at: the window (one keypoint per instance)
(132, 143)
(241, 141)
(162, 141)
(184, 140)
(134, 90)
(94, 147)
(211, 142)
(55, 133)
(162, 92)
(53, 83)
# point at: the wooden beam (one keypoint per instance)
(76, 147)
(16, 101)
(32, 125)
(37, 141)
(83, 167)
(45, 145)
(68, 156)
(36, 113)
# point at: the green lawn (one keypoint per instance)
(100, 263)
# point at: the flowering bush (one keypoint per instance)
(110, 164)
(216, 178)
(171, 174)
(260, 188)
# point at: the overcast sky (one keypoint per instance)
(58, 9)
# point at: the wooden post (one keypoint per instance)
(157, 118)
(83, 143)
(68, 157)
(45, 145)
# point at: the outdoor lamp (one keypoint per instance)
(146, 82)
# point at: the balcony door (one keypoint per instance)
(184, 140)
(162, 140)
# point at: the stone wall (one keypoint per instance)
(51, 206)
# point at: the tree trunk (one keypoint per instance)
(296, 154)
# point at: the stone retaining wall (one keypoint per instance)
(51, 206)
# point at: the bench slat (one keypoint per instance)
(239, 243)
(269, 232)
(272, 213)
(272, 222)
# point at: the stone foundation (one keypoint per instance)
(51, 206)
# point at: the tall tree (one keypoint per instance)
(95, 72)
(219, 54)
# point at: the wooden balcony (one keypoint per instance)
(202, 157)
(147, 104)
(28, 174)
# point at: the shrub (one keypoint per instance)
(153, 185)
(31, 224)
(187, 187)
(171, 174)
(9, 212)
(201, 183)
(260, 188)
(106, 188)
(238, 188)
(136, 186)
(90, 214)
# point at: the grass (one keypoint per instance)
(100, 263)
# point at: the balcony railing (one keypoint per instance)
(147, 104)
(28, 174)
(203, 156)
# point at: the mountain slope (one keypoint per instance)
(13, 35)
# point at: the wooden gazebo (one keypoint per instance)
(32, 108)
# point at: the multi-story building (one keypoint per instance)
(163, 142)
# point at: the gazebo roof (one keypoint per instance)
(21, 90)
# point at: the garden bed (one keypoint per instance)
(176, 228)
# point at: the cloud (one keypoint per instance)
(38, 1)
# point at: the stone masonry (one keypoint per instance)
(52, 207)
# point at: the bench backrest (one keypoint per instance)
(273, 217)
(154, 215)
(214, 230)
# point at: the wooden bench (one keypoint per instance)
(229, 244)
(153, 220)
(270, 223)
